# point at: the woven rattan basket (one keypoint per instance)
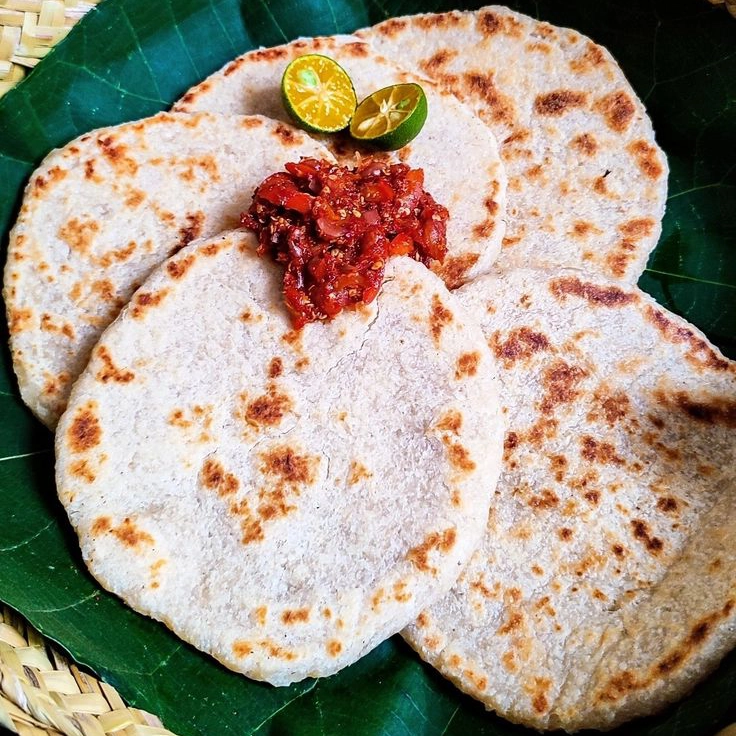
(28, 30)
(42, 693)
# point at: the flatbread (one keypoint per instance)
(605, 586)
(100, 213)
(458, 153)
(282, 500)
(587, 181)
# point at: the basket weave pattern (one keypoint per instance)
(42, 693)
(28, 30)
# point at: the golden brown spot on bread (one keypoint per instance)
(487, 23)
(592, 497)
(116, 156)
(81, 469)
(134, 198)
(268, 410)
(521, 344)
(618, 262)
(301, 363)
(513, 621)
(600, 452)
(558, 102)
(707, 410)
(391, 27)
(667, 504)
(179, 267)
(509, 662)
(642, 533)
(560, 382)
(192, 229)
(617, 109)
(79, 234)
(647, 158)
(295, 616)
(130, 535)
(275, 367)
(700, 353)
(547, 499)
(286, 135)
(438, 20)
(118, 255)
(234, 65)
(356, 49)
(252, 122)
(145, 299)
(459, 456)
(613, 406)
(334, 647)
(84, 433)
(467, 365)
(565, 534)
(358, 472)
(670, 663)
(286, 464)
(638, 228)
(48, 325)
(585, 143)
(270, 54)
(293, 338)
(451, 421)
(441, 541)
(439, 317)
(455, 268)
(438, 60)
(400, 594)
(604, 296)
(592, 57)
(485, 228)
(498, 106)
(109, 371)
(101, 525)
(19, 320)
(214, 477)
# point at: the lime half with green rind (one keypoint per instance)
(391, 117)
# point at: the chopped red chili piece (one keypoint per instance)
(334, 228)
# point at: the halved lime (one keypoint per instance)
(318, 93)
(390, 117)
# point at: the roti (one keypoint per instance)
(99, 214)
(587, 180)
(605, 586)
(282, 500)
(457, 152)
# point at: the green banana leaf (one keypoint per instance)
(131, 58)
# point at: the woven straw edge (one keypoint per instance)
(28, 31)
(43, 693)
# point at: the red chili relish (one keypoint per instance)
(334, 228)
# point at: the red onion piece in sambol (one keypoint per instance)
(334, 227)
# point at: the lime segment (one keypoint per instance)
(390, 117)
(318, 93)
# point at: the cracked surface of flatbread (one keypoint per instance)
(282, 500)
(587, 182)
(100, 213)
(605, 586)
